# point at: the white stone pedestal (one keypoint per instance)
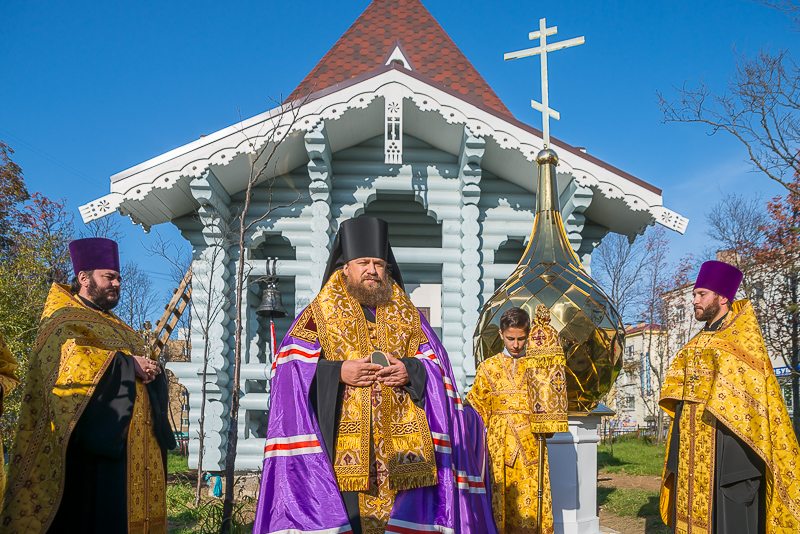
(573, 476)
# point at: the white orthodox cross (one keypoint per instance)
(542, 50)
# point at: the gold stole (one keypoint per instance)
(73, 348)
(147, 499)
(546, 376)
(403, 429)
(726, 377)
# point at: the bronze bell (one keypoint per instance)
(271, 304)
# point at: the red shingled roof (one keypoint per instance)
(641, 327)
(367, 43)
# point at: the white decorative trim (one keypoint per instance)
(398, 56)
(219, 148)
(101, 207)
(469, 174)
(670, 219)
(393, 125)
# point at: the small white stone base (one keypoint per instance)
(573, 476)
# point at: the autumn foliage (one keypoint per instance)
(34, 235)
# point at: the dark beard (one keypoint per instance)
(105, 300)
(709, 312)
(371, 298)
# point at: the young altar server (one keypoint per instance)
(521, 395)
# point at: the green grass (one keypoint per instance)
(176, 462)
(184, 518)
(628, 502)
(633, 503)
(631, 456)
(181, 513)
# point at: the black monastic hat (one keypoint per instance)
(362, 237)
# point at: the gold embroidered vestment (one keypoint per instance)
(73, 348)
(517, 399)
(7, 383)
(725, 377)
(383, 441)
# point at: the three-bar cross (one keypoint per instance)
(542, 50)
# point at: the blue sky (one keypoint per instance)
(93, 88)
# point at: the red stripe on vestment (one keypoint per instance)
(289, 446)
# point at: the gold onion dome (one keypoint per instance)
(589, 328)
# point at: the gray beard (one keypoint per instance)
(371, 298)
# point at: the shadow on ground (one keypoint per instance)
(604, 459)
(633, 503)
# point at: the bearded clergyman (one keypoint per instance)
(89, 454)
(732, 459)
(366, 432)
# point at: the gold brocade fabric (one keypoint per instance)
(546, 377)
(73, 348)
(500, 396)
(147, 484)
(7, 383)
(725, 377)
(8, 364)
(383, 442)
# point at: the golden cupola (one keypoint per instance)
(550, 273)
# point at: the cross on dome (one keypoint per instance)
(542, 50)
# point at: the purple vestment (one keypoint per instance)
(299, 494)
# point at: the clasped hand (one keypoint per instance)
(145, 368)
(362, 372)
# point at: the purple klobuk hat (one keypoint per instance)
(94, 253)
(720, 277)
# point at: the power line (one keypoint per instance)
(51, 159)
(159, 276)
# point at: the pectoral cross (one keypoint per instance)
(694, 379)
(542, 50)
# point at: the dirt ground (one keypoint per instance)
(186, 476)
(616, 480)
(629, 525)
(623, 525)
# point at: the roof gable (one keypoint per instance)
(375, 34)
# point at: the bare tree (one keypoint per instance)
(107, 227)
(619, 265)
(792, 9)
(778, 301)
(736, 224)
(761, 107)
(766, 248)
(656, 280)
(179, 259)
(263, 167)
(205, 315)
(136, 296)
